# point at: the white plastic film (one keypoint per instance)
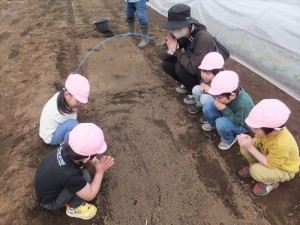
(263, 35)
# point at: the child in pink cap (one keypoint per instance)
(210, 66)
(60, 180)
(228, 112)
(59, 115)
(273, 153)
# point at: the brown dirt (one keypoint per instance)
(167, 171)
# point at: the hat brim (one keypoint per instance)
(215, 92)
(81, 99)
(102, 149)
(177, 24)
(252, 123)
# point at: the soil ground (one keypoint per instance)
(167, 170)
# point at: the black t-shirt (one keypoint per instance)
(56, 173)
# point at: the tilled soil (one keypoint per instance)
(167, 170)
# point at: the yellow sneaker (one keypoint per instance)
(84, 211)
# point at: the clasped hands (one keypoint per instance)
(245, 141)
(172, 43)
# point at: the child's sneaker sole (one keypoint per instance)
(85, 211)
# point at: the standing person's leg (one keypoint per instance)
(130, 10)
(187, 79)
(228, 131)
(61, 133)
(141, 9)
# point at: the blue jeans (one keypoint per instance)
(61, 134)
(66, 197)
(200, 97)
(225, 127)
(140, 8)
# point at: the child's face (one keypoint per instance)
(72, 102)
(259, 132)
(207, 75)
(224, 100)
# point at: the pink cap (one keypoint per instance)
(212, 60)
(79, 87)
(224, 82)
(87, 139)
(270, 113)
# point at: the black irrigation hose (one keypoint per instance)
(108, 39)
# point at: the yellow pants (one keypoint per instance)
(264, 174)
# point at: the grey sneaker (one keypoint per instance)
(262, 189)
(226, 146)
(203, 120)
(194, 109)
(181, 89)
(207, 127)
(189, 100)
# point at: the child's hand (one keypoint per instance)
(245, 141)
(220, 106)
(94, 161)
(204, 87)
(104, 163)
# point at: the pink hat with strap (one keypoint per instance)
(224, 82)
(270, 113)
(211, 61)
(87, 139)
(79, 87)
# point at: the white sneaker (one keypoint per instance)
(181, 89)
(189, 100)
(225, 146)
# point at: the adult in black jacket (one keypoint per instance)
(185, 47)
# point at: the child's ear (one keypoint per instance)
(274, 132)
(86, 160)
(232, 96)
(66, 94)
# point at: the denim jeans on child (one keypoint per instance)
(225, 127)
(61, 133)
(140, 8)
(200, 97)
(66, 197)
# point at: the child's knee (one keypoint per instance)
(72, 123)
(221, 123)
(255, 171)
(208, 107)
(243, 152)
(196, 90)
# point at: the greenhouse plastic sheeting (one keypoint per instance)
(263, 35)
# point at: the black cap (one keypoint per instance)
(179, 16)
